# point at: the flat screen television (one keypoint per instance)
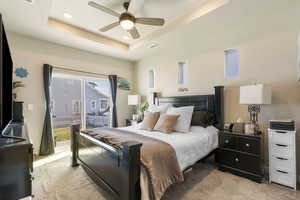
(6, 73)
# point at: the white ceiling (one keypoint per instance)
(32, 20)
(93, 19)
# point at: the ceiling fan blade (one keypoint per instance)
(135, 6)
(150, 21)
(104, 9)
(134, 33)
(110, 26)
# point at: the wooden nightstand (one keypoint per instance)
(130, 122)
(241, 154)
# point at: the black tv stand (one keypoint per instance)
(16, 156)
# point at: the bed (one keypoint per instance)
(120, 172)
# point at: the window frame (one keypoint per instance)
(76, 102)
(91, 104)
(107, 104)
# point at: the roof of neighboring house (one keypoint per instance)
(92, 86)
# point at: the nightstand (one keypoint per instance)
(241, 155)
(130, 122)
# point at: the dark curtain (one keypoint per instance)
(47, 144)
(113, 80)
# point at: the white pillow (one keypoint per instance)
(185, 118)
(162, 108)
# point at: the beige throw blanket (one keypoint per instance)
(158, 157)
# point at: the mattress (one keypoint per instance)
(189, 147)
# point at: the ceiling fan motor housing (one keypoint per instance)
(127, 16)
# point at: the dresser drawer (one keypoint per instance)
(282, 177)
(282, 150)
(227, 141)
(248, 145)
(282, 137)
(240, 161)
(284, 164)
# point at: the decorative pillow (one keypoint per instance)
(149, 121)
(185, 117)
(166, 123)
(162, 108)
(203, 118)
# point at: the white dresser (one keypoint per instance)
(282, 157)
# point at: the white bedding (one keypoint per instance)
(189, 147)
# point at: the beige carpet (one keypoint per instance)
(58, 181)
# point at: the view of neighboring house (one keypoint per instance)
(66, 103)
(97, 106)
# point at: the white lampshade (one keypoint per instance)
(134, 99)
(255, 94)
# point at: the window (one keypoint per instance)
(93, 104)
(232, 63)
(76, 106)
(151, 78)
(98, 91)
(103, 104)
(87, 102)
(70, 81)
(182, 73)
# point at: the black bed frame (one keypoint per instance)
(118, 170)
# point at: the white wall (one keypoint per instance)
(264, 32)
(265, 35)
(299, 56)
(32, 54)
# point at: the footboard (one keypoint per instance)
(117, 170)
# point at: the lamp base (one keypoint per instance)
(253, 110)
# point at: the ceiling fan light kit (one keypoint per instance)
(126, 20)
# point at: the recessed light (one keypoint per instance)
(67, 16)
(125, 37)
(153, 45)
(30, 1)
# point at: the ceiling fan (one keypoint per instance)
(127, 20)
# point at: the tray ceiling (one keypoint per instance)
(45, 20)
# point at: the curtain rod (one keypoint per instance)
(80, 71)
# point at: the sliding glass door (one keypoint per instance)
(78, 100)
(65, 107)
(97, 103)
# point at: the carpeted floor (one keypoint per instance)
(58, 181)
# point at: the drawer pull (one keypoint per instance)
(226, 141)
(280, 158)
(282, 171)
(247, 145)
(281, 145)
(237, 160)
(281, 132)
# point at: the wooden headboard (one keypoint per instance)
(213, 103)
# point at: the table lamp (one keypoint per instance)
(254, 96)
(134, 100)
